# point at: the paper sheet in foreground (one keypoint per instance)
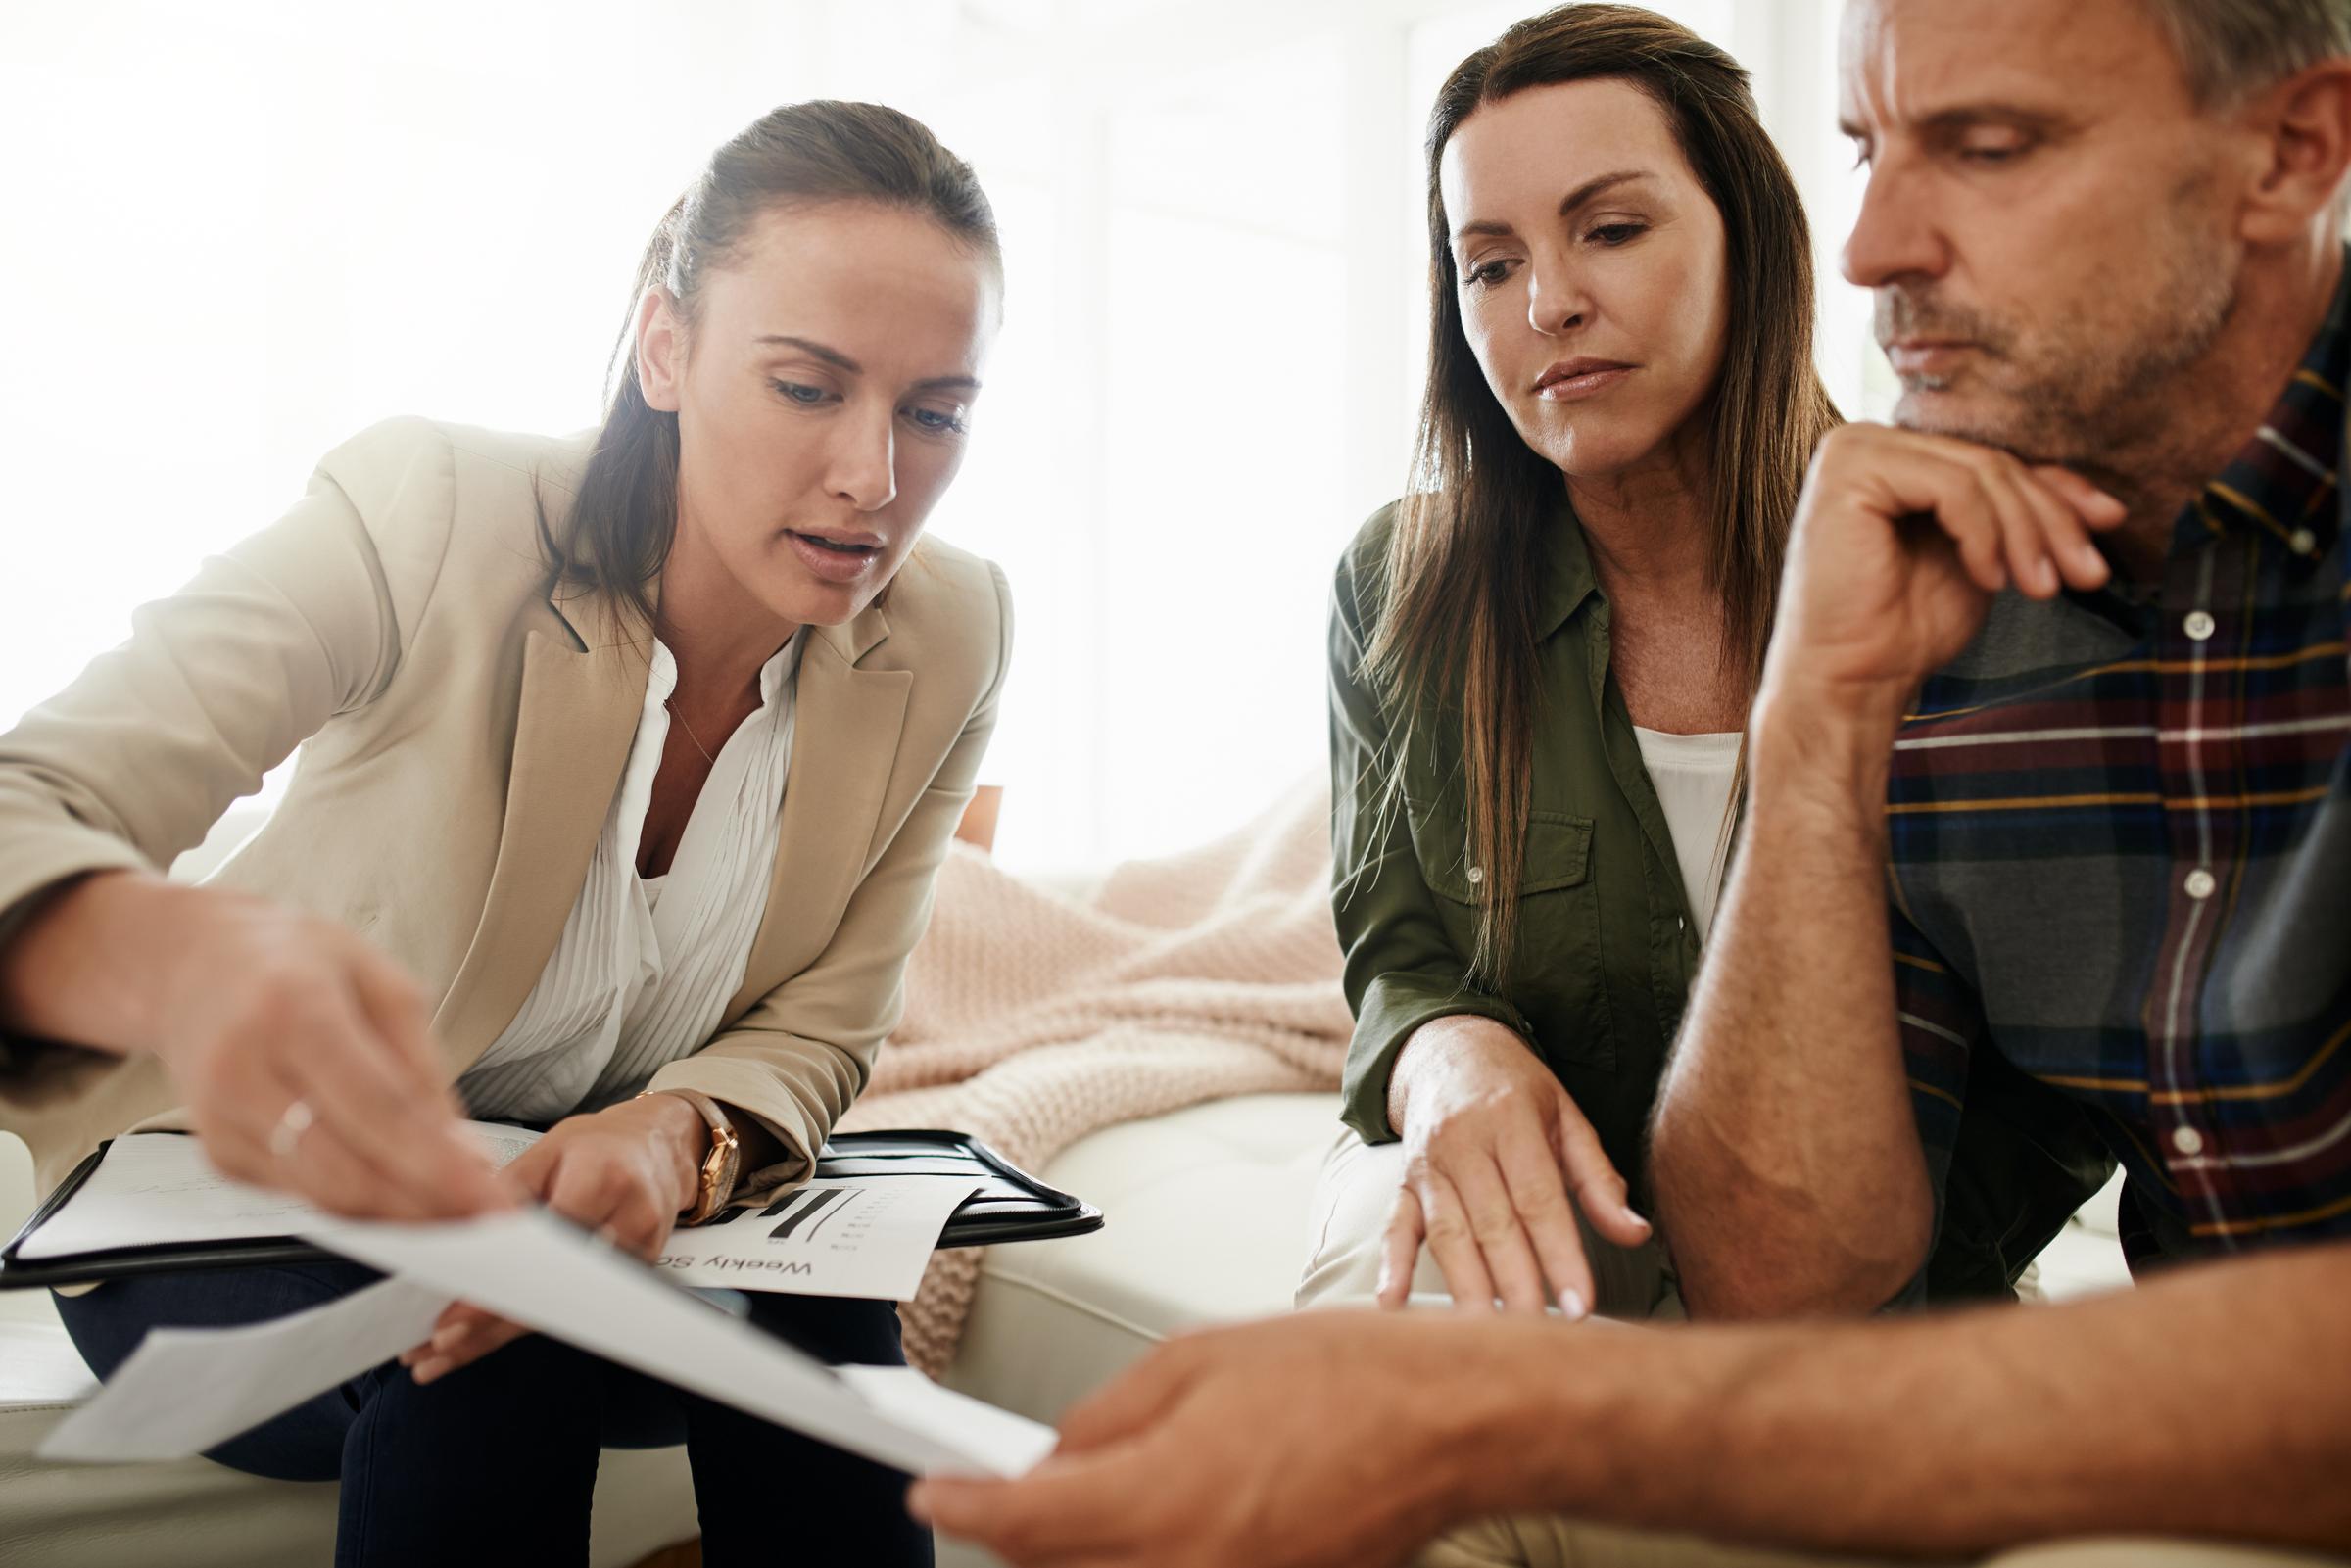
(188, 1390)
(535, 1269)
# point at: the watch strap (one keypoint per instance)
(722, 1164)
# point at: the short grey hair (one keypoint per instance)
(2234, 49)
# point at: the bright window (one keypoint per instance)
(242, 231)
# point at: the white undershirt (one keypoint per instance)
(1692, 774)
(645, 966)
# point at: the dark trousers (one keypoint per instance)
(496, 1462)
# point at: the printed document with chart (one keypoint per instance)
(868, 1231)
(829, 1238)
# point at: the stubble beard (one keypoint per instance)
(2093, 390)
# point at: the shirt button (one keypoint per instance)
(2189, 1141)
(2200, 883)
(1477, 874)
(2302, 540)
(2198, 625)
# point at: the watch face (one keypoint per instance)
(718, 1169)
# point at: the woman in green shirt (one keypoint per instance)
(1542, 657)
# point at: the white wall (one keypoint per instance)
(239, 231)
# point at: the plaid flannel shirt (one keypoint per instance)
(2120, 830)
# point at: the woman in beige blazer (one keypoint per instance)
(627, 765)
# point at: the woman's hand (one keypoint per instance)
(626, 1172)
(1496, 1160)
(1900, 543)
(306, 1057)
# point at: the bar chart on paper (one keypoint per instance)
(801, 1209)
(827, 1238)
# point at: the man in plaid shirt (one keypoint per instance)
(2084, 715)
(2048, 848)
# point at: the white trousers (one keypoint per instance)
(1357, 1195)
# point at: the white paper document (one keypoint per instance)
(154, 1188)
(904, 1395)
(186, 1390)
(827, 1238)
(538, 1271)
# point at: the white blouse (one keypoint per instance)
(1692, 774)
(646, 964)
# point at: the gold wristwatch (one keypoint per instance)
(720, 1167)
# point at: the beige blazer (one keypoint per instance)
(463, 734)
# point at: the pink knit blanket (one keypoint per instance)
(1032, 1020)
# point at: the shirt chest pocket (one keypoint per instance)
(1557, 977)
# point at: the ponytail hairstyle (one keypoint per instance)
(624, 515)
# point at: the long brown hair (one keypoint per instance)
(1463, 577)
(624, 515)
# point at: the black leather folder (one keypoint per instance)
(1010, 1206)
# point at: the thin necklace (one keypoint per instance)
(672, 705)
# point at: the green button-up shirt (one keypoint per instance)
(1606, 945)
(1605, 949)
